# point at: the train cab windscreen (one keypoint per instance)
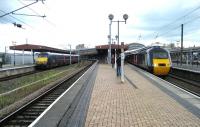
(43, 55)
(159, 54)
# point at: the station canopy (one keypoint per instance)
(113, 46)
(38, 48)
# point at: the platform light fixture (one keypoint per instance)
(111, 17)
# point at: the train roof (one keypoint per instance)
(49, 53)
(135, 51)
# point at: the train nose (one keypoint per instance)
(161, 67)
(41, 61)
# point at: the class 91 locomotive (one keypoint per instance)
(50, 60)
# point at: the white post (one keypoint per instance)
(122, 66)
(122, 61)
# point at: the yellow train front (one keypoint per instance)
(160, 61)
(155, 59)
(42, 61)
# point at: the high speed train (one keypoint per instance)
(50, 60)
(155, 59)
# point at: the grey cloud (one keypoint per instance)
(161, 22)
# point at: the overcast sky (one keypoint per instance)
(86, 22)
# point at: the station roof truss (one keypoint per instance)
(113, 46)
(38, 48)
(87, 51)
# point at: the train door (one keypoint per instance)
(148, 60)
(64, 59)
(145, 59)
(136, 59)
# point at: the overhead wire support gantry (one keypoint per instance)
(42, 16)
(21, 8)
(37, 14)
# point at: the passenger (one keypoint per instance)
(113, 61)
(119, 66)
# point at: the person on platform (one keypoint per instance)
(113, 61)
(119, 65)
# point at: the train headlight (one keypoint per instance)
(155, 65)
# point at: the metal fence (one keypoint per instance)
(17, 58)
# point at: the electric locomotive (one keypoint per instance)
(155, 59)
(50, 60)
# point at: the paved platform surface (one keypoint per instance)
(135, 103)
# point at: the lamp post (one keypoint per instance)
(125, 17)
(115, 66)
(110, 16)
(109, 53)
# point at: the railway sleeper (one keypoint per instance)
(45, 101)
(31, 113)
(54, 95)
(48, 99)
(20, 122)
(42, 104)
(35, 110)
(21, 117)
(38, 107)
(59, 91)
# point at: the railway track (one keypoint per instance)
(188, 85)
(29, 112)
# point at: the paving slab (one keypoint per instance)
(137, 102)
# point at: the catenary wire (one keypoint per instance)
(51, 23)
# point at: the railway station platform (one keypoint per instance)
(143, 100)
(11, 66)
(190, 67)
(10, 70)
(137, 102)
